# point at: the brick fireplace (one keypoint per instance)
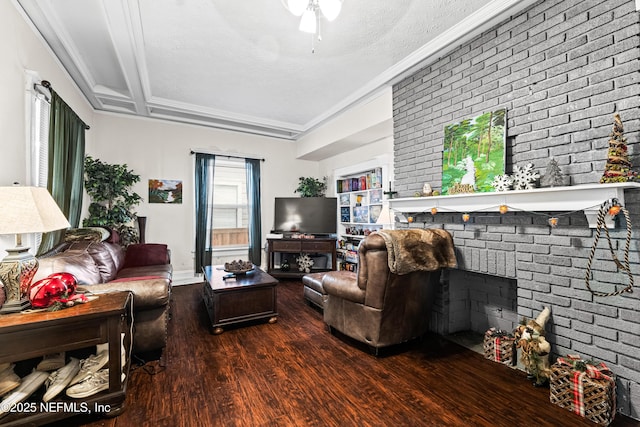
(561, 69)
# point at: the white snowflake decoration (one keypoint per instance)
(304, 263)
(502, 182)
(524, 178)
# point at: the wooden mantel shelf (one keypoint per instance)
(586, 197)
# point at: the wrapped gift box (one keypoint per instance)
(585, 388)
(499, 346)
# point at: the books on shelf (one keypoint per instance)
(372, 179)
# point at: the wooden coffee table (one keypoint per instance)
(235, 300)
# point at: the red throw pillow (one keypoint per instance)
(139, 255)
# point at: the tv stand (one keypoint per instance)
(291, 248)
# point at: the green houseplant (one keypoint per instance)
(311, 187)
(112, 200)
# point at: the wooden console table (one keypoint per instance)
(29, 335)
(297, 247)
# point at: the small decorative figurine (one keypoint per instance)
(618, 167)
(552, 176)
(535, 348)
(524, 178)
(502, 182)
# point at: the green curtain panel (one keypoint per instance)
(205, 166)
(255, 224)
(66, 165)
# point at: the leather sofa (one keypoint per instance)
(377, 305)
(143, 269)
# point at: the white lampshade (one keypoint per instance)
(297, 7)
(29, 210)
(24, 210)
(385, 216)
(330, 8)
(308, 22)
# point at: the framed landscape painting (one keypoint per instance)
(474, 153)
(165, 191)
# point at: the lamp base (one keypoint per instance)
(15, 306)
(16, 271)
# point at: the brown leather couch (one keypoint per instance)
(377, 306)
(143, 269)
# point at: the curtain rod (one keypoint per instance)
(228, 156)
(47, 85)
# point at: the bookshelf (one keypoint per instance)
(360, 202)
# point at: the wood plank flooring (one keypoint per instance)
(294, 373)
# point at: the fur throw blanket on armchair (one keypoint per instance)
(418, 250)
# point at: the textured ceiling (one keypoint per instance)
(244, 65)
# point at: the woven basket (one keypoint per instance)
(598, 395)
(499, 348)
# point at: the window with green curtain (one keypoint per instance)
(65, 165)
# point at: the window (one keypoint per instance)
(38, 142)
(230, 207)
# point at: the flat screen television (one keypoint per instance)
(308, 215)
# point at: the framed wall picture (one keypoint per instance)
(361, 214)
(474, 153)
(345, 214)
(375, 196)
(165, 191)
(374, 213)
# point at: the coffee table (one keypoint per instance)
(238, 299)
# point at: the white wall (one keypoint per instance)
(157, 149)
(21, 49)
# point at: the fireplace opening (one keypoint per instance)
(470, 303)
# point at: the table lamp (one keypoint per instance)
(24, 210)
(385, 217)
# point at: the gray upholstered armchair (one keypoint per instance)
(388, 300)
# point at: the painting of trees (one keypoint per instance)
(165, 191)
(481, 140)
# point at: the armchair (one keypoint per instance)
(388, 300)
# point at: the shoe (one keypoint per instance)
(102, 347)
(51, 362)
(60, 379)
(95, 383)
(123, 352)
(28, 385)
(90, 365)
(8, 380)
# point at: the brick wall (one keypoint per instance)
(561, 69)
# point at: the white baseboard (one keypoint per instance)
(185, 277)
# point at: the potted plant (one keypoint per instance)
(112, 200)
(311, 187)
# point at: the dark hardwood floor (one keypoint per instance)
(294, 373)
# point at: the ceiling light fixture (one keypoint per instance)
(310, 11)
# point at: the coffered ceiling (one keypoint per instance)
(243, 64)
